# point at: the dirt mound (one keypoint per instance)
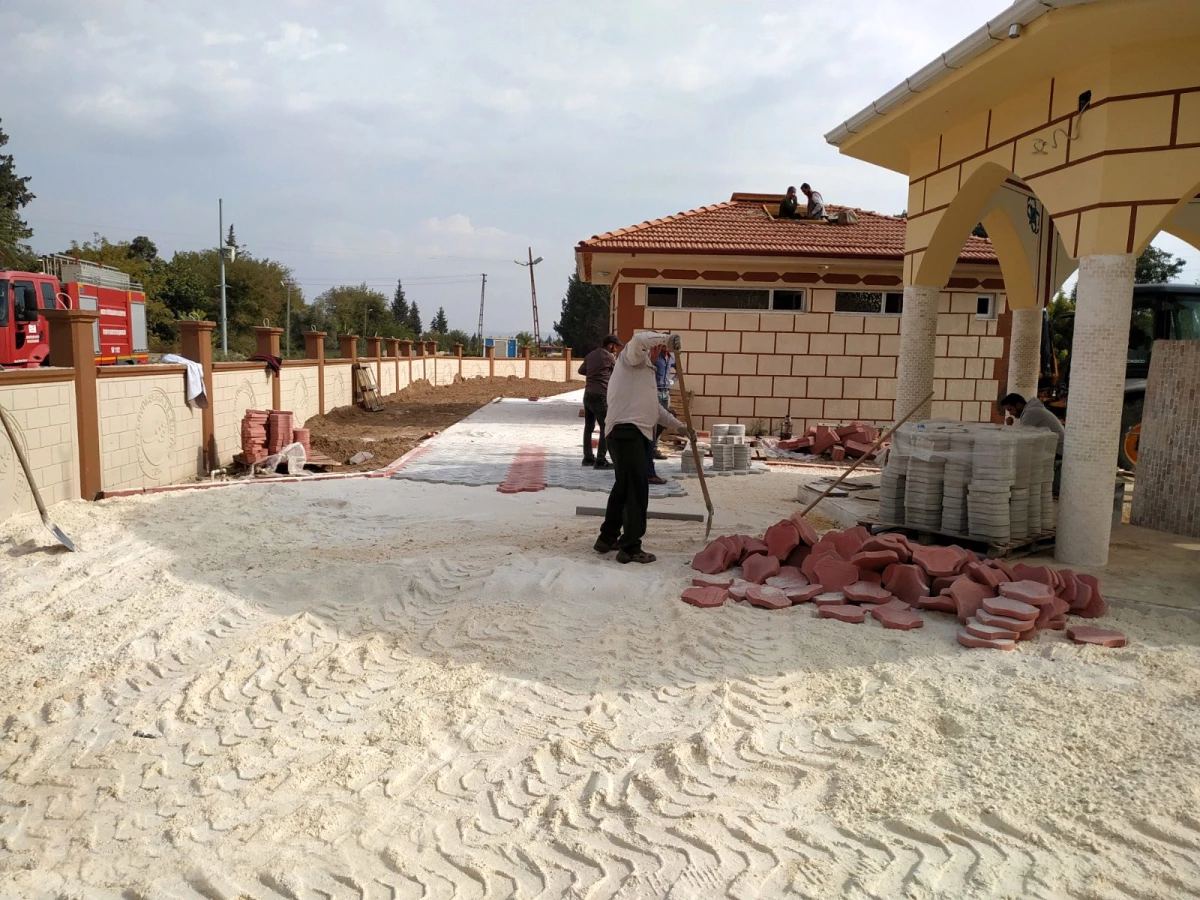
(409, 415)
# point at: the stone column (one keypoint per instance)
(195, 343)
(1025, 352)
(528, 365)
(72, 345)
(918, 330)
(431, 348)
(374, 347)
(1099, 349)
(393, 347)
(348, 346)
(314, 348)
(406, 349)
(490, 353)
(267, 341)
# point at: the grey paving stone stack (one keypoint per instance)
(1049, 447)
(893, 477)
(989, 494)
(956, 477)
(924, 479)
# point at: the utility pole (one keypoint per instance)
(537, 334)
(287, 328)
(482, 289)
(221, 253)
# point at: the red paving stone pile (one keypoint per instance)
(254, 435)
(301, 436)
(836, 442)
(527, 473)
(279, 430)
(848, 573)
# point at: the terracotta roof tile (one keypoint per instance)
(741, 226)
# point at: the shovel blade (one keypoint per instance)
(59, 534)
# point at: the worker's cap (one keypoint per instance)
(612, 339)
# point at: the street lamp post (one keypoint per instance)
(537, 334)
(288, 320)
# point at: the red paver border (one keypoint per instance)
(527, 473)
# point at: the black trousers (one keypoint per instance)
(595, 411)
(630, 496)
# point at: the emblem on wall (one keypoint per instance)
(1033, 211)
(156, 433)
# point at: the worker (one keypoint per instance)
(788, 205)
(662, 377)
(816, 203)
(1033, 414)
(633, 412)
(597, 366)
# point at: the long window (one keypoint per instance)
(870, 303)
(3, 302)
(724, 298)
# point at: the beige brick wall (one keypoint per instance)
(477, 368)
(387, 376)
(234, 392)
(298, 392)
(148, 435)
(339, 384)
(822, 365)
(44, 415)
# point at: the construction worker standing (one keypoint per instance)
(597, 366)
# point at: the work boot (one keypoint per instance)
(657, 479)
(589, 462)
(603, 464)
(640, 557)
(602, 545)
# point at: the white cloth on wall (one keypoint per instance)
(194, 391)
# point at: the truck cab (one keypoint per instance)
(24, 335)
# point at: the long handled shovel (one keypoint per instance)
(699, 460)
(37, 497)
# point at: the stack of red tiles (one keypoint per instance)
(254, 435)
(301, 437)
(279, 430)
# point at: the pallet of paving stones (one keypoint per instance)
(1027, 546)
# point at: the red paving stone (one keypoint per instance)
(799, 555)
(854, 614)
(1035, 593)
(767, 597)
(759, 568)
(865, 592)
(991, 632)
(967, 639)
(803, 594)
(1014, 609)
(827, 598)
(781, 539)
(938, 603)
(847, 542)
(1042, 574)
(985, 574)
(872, 577)
(712, 581)
(738, 589)
(900, 619)
(834, 574)
(875, 560)
(1089, 634)
(788, 578)
(713, 559)
(906, 581)
(890, 540)
(1006, 622)
(527, 472)
(968, 596)
(808, 534)
(705, 597)
(1096, 606)
(940, 561)
(752, 547)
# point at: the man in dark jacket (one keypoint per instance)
(597, 366)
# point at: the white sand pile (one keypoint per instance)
(387, 689)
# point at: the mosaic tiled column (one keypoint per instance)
(1025, 352)
(918, 332)
(1099, 349)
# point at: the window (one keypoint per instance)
(25, 301)
(985, 306)
(869, 303)
(48, 301)
(724, 298)
(3, 303)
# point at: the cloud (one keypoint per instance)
(302, 43)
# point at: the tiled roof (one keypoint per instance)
(742, 226)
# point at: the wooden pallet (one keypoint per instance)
(1036, 543)
(368, 393)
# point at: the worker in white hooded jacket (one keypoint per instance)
(633, 414)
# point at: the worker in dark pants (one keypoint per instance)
(633, 413)
(597, 366)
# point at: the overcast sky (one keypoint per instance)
(436, 139)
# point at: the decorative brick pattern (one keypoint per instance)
(1098, 352)
(918, 347)
(45, 418)
(1024, 352)
(1167, 494)
(236, 390)
(148, 435)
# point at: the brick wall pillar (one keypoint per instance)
(567, 359)
(406, 349)
(267, 344)
(458, 353)
(528, 366)
(375, 352)
(1099, 349)
(71, 338)
(314, 348)
(1024, 352)
(918, 332)
(431, 348)
(195, 343)
(490, 353)
(393, 347)
(348, 346)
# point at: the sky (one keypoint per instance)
(435, 140)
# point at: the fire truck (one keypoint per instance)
(119, 336)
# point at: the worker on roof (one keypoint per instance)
(816, 203)
(788, 205)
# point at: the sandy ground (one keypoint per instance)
(376, 688)
(409, 415)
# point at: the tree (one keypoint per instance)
(231, 238)
(141, 247)
(1157, 266)
(399, 305)
(524, 339)
(351, 309)
(584, 317)
(1061, 312)
(414, 318)
(439, 323)
(15, 253)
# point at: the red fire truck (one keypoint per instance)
(68, 283)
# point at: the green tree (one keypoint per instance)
(231, 240)
(584, 316)
(141, 247)
(524, 339)
(1157, 266)
(15, 252)
(439, 323)
(1061, 312)
(399, 305)
(414, 318)
(355, 309)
